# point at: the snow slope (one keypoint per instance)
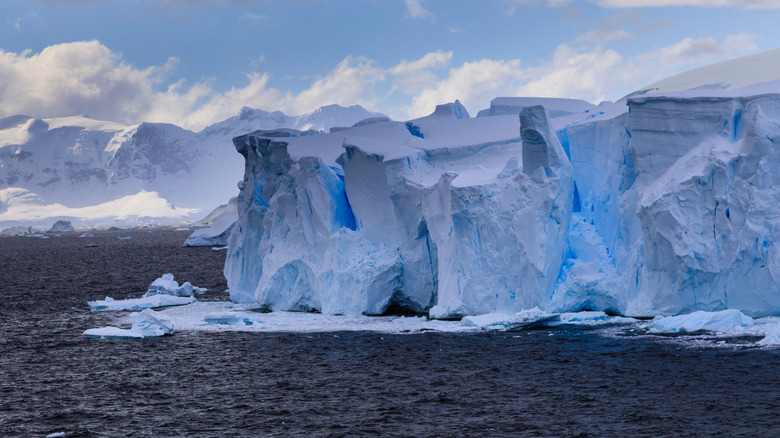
(70, 166)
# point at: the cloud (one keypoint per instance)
(251, 16)
(604, 36)
(415, 9)
(472, 83)
(349, 83)
(88, 78)
(594, 75)
(74, 78)
(743, 4)
(195, 107)
(411, 77)
(26, 17)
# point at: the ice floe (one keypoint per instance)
(163, 292)
(150, 302)
(145, 324)
(709, 321)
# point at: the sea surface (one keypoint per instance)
(561, 382)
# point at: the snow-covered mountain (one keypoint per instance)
(663, 203)
(69, 167)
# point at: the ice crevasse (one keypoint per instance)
(663, 204)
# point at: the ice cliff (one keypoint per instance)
(662, 204)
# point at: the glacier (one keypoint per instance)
(662, 203)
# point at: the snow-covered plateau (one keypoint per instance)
(95, 172)
(660, 204)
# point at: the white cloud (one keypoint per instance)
(74, 78)
(348, 84)
(26, 17)
(472, 83)
(415, 9)
(88, 78)
(411, 77)
(593, 75)
(744, 4)
(251, 16)
(603, 36)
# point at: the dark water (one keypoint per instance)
(562, 382)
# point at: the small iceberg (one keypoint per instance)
(231, 318)
(166, 285)
(87, 235)
(525, 319)
(62, 227)
(145, 324)
(151, 302)
(590, 317)
(701, 321)
(124, 238)
(772, 336)
(163, 292)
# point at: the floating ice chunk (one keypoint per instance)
(146, 324)
(223, 219)
(112, 333)
(150, 302)
(166, 285)
(182, 229)
(232, 318)
(56, 435)
(124, 238)
(701, 320)
(62, 227)
(528, 318)
(219, 248)
(486, 320)
(772, 336)
(594, 318)
(583, 316)
(87, 235)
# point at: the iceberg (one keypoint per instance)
(394, 215)
(220, 224)
(166, 285)
(163, 292)
(151, 302)
(772, 336)
(701, 320)
(61, 226)
(145, 324)
(664, 203)
(531, 318)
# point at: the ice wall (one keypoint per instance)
(708, 203)
(365, 233)
(677, 207)
(665, 204)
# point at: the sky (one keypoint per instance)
(197, 62)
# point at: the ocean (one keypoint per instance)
(556, 382)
